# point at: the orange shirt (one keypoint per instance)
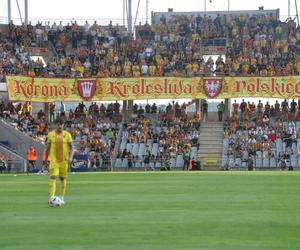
(31, 154)
(44, 155)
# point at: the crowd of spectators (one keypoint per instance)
(13, 54)
(93, 128)
(162, 139)
(262, 132)
(20, 116)
(256, 45)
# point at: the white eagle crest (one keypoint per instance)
(212, 87)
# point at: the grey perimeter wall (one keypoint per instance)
(20, 142)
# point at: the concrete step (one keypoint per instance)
(211, 131)
(209, 153)
(212, 124)
(210, 168)
(212, 134)
(210, 163)
(210, 146)
(204, 156)
(210, 139)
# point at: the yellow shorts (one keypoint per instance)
(59, 169)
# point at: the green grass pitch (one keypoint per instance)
(152, 210)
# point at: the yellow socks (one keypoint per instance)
(63, 185)
(52, 187)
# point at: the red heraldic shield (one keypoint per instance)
(86, 88)
(212, 87)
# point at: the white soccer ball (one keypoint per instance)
(55, 201)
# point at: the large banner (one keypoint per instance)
(269, 87)
(109, 89)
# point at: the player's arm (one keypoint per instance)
(70, 147)
(47, 154)
(71, 152)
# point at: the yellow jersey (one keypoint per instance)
(59, 146)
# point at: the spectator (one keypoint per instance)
(204, 110)
(31, 157)
(221, 109)
(2, 163)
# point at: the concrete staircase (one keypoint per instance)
(211, 140)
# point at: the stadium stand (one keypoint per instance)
(256, 45)
(267, 135)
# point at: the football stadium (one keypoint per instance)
(130, 124)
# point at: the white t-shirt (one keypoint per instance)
(144, 69)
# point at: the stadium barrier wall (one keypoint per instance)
(20, 142)
(19, 163)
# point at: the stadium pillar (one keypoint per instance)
(125, 109)
(26, 11)
(8, 11)
(198, 105)
(201, 111)
(227, 107)
(129, 108)
(129, 17)
(46, 109)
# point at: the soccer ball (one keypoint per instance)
(55, 201)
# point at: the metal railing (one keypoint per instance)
(80, 21)
(19, 163)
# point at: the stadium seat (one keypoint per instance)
(138, 164)
(294, 161)
(231, 161)
(245, 155)
(158, 165)
(244, 164)
(266, 163)
(173, 162)
(194, 151)
(118, 163)
(273, 163)
(135, 149)
(152, 165)
(294, 148)
(129, 147)
(224, 161)
(141, 149)
(125, 163)
(238, 163)
(258, 154)
(283, 146)
(154, 150)
(179, 161)
(258, 163)
(279, 145)
(123, 146)
(149, 141)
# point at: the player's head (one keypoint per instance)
(59, 125)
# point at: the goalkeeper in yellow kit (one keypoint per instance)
(60, 149)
